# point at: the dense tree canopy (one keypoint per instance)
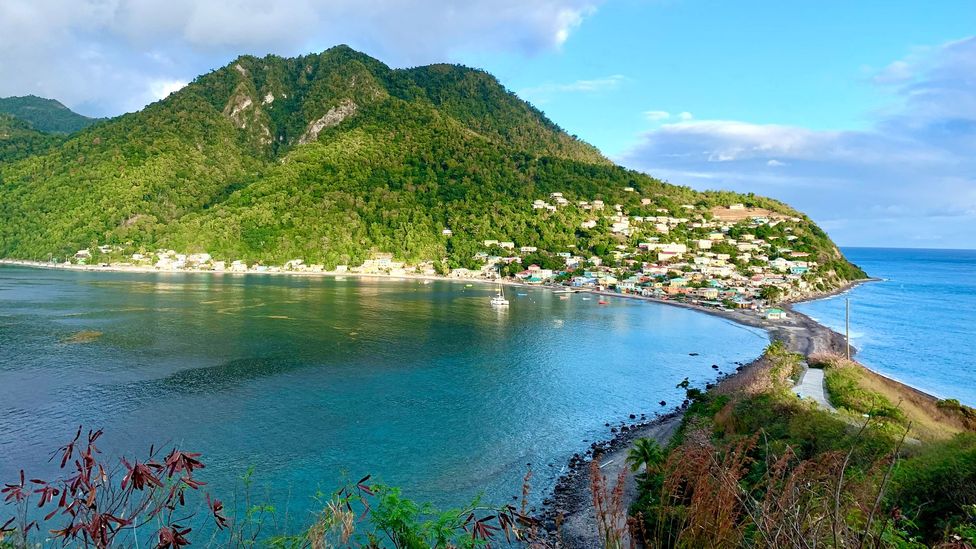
(329, 158)
(45, 115)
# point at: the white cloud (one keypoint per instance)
(568, 19)
(160, 89)
(685, 115)
(895, 73)
(657, 116)
(607, 83)
(909, 180)
(109, 55)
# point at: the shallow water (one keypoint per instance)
(918, 325)
(423, 386)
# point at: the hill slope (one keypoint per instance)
(45, 115)
(330, 158)
(19, 140)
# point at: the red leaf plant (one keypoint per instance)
(97, 502)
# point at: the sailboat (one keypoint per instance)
(499, 299)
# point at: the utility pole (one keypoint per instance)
(848, 328)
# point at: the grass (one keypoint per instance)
(859, 391)
(753, 465)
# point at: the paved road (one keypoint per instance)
(811, 385)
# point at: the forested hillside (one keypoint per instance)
(19, 140)
(330, 158)
(45, 115)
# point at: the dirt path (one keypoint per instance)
(811, 385)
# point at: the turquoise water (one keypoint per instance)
(919, 324)
(423, 386)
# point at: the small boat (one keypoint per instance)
(586, 298)
(520, 294)
(564, 297)
(603, 302)
(499, 299)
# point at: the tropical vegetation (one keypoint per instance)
(330, 158)
(45, 115)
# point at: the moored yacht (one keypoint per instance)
(499, 300)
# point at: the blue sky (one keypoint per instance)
(809, 64)
(862, 114)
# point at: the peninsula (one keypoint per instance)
(335, 164)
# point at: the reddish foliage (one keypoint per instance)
(15, 492)
(98, 508)
(173, 537)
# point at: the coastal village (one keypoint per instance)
(729, 257)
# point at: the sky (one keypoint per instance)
(861, 114)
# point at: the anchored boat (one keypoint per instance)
(499, 299)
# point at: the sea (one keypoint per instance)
(306, 384)
(918, 323)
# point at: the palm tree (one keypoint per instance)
(646, 452)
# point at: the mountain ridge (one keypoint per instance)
(45, 115)
(332, 157)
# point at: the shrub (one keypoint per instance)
(104, 503)
(846, 392)
(937, 487)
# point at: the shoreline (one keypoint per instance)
(570, 497)
(298, 274)
(782, 329)
(570, 503)
(571, 500)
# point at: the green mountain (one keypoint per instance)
(45, 115)
(19, 140)
(330, 158)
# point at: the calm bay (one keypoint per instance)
(311, 381)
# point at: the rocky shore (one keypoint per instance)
(571, 500)
(568, 515)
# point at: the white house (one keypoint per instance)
(776, 314)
